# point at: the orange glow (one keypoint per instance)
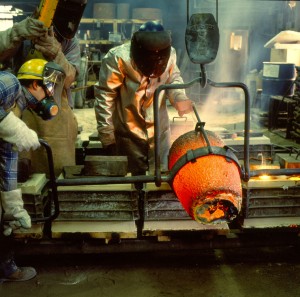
(265, 177)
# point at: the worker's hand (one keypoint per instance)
(184, 107)
(13, 207)
(28, 29)
(9, 227)
(30, 140)
(48, 45)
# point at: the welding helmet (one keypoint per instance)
(52, 77)
(67, 18)
(151, 48)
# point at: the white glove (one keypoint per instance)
(15, 131)
(10, 226)
(28, 29)
(13, 205)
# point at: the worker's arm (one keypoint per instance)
(12, 38)
(106, 91)
(52, 50)
(15, 131)
(178, 97)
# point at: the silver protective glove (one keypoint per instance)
(184, 107)
(29, 29)
(13, 206)
(15, 131)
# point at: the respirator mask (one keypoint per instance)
(51, 77)
(53, 82)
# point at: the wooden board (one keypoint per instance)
(156, 227)
(271, 222)
(36, 232)
(96, 229)
(35, 184)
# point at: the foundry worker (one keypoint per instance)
(37, 87)
(129, 75)
(60, 45)
(11, 38)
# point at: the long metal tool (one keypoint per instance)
(45, 13)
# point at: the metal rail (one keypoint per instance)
(245, 172)
(53, 186)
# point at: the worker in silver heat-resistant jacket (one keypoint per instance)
(129, 75)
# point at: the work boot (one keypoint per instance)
(10, 272)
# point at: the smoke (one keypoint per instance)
(245, 27)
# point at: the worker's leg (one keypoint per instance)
(9, 271)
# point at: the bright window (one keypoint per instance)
(7, 12)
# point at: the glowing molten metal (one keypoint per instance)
(209, 187)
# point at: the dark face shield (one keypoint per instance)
(67, 17)
(152, 64)
(151, 52)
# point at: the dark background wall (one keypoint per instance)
(258, 20)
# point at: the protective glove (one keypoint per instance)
(15, 131)
(13, 205)
(28, 29)
(184, 107)
(10, 226)
(48, 45)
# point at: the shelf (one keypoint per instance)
(112, 21)
(99, 41)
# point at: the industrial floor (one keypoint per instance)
(229, 272)
(256, 272)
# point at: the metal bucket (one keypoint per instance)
(104, 11)
(208, 187)
(147, 13)
(278, 78)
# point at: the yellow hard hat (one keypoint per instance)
(52, 75)
(32, 69)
